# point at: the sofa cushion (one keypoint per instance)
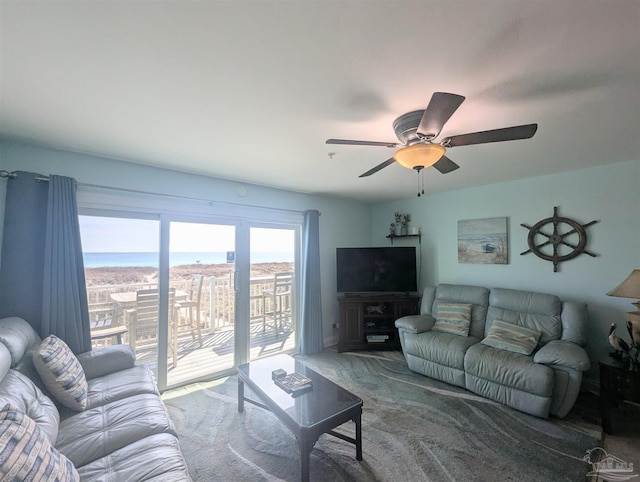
(96, 432)
(120, 385)
(512, 337)
(477, 296)
(441, 348)
(526, 308)
(127, 463)
(17, 390)
(18, 336)
(454, 318)
(61, 373)
(538, 405)
(509, 369)
(26, 454)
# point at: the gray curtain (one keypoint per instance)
(23, 248)
(64, 292)
(311, 303)
(42, 273)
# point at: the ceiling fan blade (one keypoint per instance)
(445, 165)
(351, 142)
(441, 107)
(380, 166)
(495, 135)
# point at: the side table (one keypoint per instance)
(617, 384)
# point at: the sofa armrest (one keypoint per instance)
(563, 353)
(415, 323)
(109, 359)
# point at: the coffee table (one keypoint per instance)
(308, 414)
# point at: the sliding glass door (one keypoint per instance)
(235, 297)
(272, 290)
(121, 259)
(202, 284)
(192, 297)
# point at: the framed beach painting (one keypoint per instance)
(483, 241)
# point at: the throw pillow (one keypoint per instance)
(453, 318)
(61, 373)
(512, 337)
(26, 454)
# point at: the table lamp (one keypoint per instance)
(630, 288)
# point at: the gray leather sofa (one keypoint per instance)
(546, 382)
(123, 434)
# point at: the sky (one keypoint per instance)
(482, 226)
(109, 235)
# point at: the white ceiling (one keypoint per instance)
(250, 90)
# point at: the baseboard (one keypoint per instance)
(591, 385)
(331, 340)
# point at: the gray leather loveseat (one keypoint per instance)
(123, 433)
(492, 359)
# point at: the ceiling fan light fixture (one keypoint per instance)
(419, 155)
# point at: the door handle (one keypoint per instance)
(235, 282)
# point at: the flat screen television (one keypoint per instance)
(376, 270)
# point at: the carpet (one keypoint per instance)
(414, 429)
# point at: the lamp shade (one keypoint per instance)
(419, 155)
(629, 288)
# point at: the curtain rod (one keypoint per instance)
(41, 178)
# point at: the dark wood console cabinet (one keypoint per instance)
(368, 322)
(617, 384)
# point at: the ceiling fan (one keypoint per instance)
(417, 130)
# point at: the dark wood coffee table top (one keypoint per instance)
(308, 414)
(324, 401)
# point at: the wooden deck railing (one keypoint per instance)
(217, 303)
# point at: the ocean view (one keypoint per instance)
(97, 260)
(478, 242)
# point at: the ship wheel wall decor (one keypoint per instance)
(557, 238)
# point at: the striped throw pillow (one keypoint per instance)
(26, 454)
(453, 318)
(61, 373)
(512, 337)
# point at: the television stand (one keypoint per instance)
(368, 322)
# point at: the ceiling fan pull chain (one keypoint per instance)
(419, 169)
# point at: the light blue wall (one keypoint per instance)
(608, 194)
(342, 223)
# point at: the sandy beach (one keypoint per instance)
(117, 275)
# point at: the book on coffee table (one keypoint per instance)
(293, 383)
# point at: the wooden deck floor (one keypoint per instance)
(215, 356)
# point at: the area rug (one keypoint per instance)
(413, 428)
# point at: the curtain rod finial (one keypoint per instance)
(8, 174)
